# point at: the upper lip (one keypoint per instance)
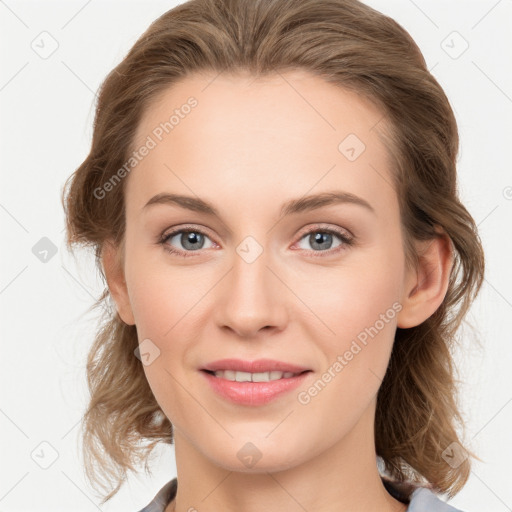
(257, 366)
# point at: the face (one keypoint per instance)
(271, 274)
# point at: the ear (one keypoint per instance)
(112, 262)
(425, 287)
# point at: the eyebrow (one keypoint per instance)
(294, 206)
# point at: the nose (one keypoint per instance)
(252, 298)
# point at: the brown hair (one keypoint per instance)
(347, 44)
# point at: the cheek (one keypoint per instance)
(358, 309)
(166, 303)
(349, 300)
(164, 295)
(356, 358)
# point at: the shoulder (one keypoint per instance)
(424, 500)
(418, 498)
(421, 499)
(162, 498)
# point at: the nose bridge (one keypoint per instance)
(250, 275)
(250, 300)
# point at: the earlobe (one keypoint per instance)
(427, 285)
(113, 269)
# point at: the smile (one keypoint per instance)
(253, 389)
(236, 376)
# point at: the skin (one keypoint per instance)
(248, 147)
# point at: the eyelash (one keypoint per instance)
(347, 241)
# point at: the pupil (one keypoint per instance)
(322, 238)
(191, 239)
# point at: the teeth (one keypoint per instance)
(253, 377)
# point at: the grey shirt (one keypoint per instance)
(422, 499)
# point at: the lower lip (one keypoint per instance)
(253, 393)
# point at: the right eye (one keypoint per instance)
(191, 240)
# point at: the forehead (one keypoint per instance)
(239, 134)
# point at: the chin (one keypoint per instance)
(255, 456)
(263, 466)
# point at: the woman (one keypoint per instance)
(271, 194)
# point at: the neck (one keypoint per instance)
(343, 478)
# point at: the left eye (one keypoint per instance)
(322, 239)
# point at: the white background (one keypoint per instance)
(47, 108)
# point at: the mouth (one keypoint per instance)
(258, 367)
(254, 383)
(240, 376)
